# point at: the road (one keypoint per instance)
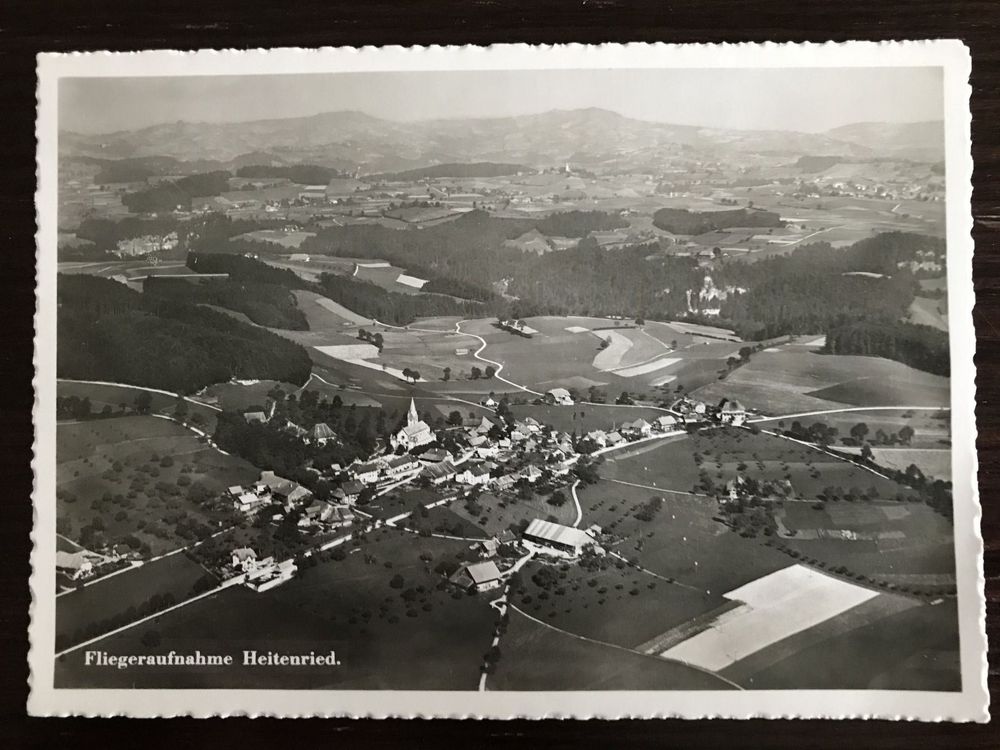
(139, 388)
(849, 409)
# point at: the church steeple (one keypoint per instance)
(411, 415)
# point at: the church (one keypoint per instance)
(415, 433)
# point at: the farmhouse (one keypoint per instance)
(476, 476)
(249, 501)
(366, 473)
(244, 558)
(439, 473)
(414, 433)
(399, 465)
(558, 396)
(640, 428)
(482, 576)
(665, 422)
(614, 438)
(436, 456)
(255, 417)
(554, 538)
(352, 491)
(267, 574)
(76, 565)
(731, 412)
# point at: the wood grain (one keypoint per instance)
(28, 28)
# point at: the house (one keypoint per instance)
(439, 473)
(244, 558)
(484, 426)
(487, 450)
(665, 422)
(558, 396)
(400, 465)
(597, 437)
(366, 473)
(76, 565)
(252, 500)
(481, 576)
(476, 476)
(488, 547)
(504, 482)
(530, 473)
(614, 438)
(255, 417)
(489, 402)
(414, 433)
(281, 489)
(731, 412)
(321, 434)
(267, 574)
(436, 456)
(352, 491)
(296, 497)
(640, 428)
(554, 538)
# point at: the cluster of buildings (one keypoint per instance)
(261, 574)
(146, 245)
(271, 491)
(727, 412)
(629, 432)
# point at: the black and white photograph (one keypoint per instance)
(499, 382)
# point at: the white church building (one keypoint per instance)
(414, 433)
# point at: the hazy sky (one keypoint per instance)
(809, 100)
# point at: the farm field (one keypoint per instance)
(925, 311)
(279, 237)
(585, 417)
(344, 605)
(914, 649)
(931, 427)
(498, 513)
(771, 608)
(787, 382)
(121, 399)
(536, 657)
(141, 478)
(933, 462)
(79, 613)
(617, 604)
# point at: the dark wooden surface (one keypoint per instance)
(27, 28)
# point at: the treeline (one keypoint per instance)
(807, 290)
(241, 268)
(169, 195)
(473, 169)
(682, 221)
(270, 305)
(110, 332)
(302, 174)
(579, 223)
(923, 347)
(372, 301)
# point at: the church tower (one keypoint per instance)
(411, 415)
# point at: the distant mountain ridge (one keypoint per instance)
(590, 138)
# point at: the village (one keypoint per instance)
(499, 454)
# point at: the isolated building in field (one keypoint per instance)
(732, 412)
(554, 538)
(414, 433)
(559, 396)
(76, 565)
(482, 576)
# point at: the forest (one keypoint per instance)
(271, 305)
(472, 169)
(922, 347)
(109, 332)
(169, 195)
(579, 223)
(301, 174)
(682, 221)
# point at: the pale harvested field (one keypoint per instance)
(775, 607)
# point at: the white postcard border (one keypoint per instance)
(971, 704)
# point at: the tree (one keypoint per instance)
(181, 408)
(455, 418)
(143, 402)
(447, 374)
(866, 452)
(859, 431)
(557, 498)
(490, 371)
(906, 434)
(745, 353)
(476, 373)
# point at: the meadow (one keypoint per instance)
(390, 618)
(78, 612)
(536, 657)
(141, 478)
